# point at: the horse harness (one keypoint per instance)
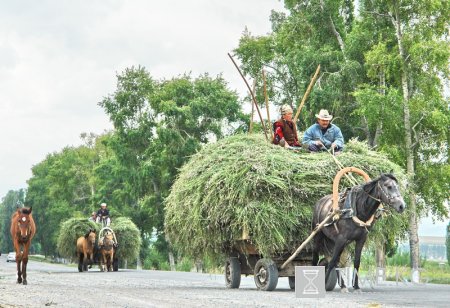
(347, 206)
(108, 244)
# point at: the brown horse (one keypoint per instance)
(107, 252)
(85, 250)
(22, 231)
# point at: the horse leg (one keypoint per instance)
(90, 259)
(102, 262)
(337, 251)
(25, 262)
(80, 261)
(19, 266)
(318, 239)
(85, 262)
(358, 250)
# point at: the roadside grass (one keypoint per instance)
(398, 269)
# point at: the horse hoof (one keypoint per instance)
(358, 291)
(25, 283)
(344, 290)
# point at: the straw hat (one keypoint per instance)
(103, 204)
(324, 115)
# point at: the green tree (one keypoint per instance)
(158, 125)
(382, 71)
(447, 243)
(61, 187)
(314, 32)
(410, 56)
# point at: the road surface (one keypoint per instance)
(56, 285)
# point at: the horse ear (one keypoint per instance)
(31, 208)
(392, 171)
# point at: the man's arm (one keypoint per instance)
(308, 136)
(278, 132)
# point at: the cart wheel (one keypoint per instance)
(232, 273)
(330, 284)
(266, 275)
(292, 282)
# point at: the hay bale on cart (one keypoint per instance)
(249, 203)
(127, 235)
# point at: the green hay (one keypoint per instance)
(127, 234)
(128, 237)
(243, 181)
(70, 231)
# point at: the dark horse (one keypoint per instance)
(360, 205)
(22, 231)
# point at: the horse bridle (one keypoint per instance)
(389, 198)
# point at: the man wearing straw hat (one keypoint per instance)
(323, 136)
(285, 131)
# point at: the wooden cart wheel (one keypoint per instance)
(232, 273)
(330, 284)
(266, 275)
(292, 282)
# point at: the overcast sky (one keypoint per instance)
(59, 58)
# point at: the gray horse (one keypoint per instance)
(360, 204)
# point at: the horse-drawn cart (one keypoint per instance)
(242, 184)
(107, 248)
(245, 258)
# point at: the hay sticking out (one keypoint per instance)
(127, 234)
(70, 231)
(244, 182)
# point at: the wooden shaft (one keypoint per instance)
(316, 229)
(305, 96)
(253, 96)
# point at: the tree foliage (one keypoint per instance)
(158, 125)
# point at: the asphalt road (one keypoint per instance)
(62, 286)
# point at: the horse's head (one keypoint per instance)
(24, 223)
(90, 237)
(390, 192)
(108, 235)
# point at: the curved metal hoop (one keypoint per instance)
(337, 179)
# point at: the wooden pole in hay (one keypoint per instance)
(253, 97)
(253, 110)
(308, 90)
(266, 98)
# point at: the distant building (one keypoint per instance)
(431, 248)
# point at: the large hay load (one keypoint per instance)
(244, 183)
(126, 232)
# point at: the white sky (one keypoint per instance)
(59, 58)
